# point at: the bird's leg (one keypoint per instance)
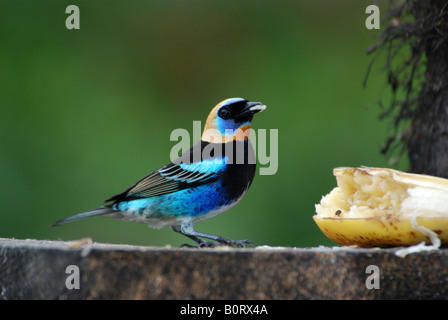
(200, 242)
(178, 229)
(187, 229)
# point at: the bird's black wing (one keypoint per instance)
(174, 177)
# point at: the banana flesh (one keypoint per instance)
(384, 207)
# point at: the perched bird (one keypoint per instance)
(208, 179)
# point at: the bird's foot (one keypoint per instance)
(202, 244)
(226, 242)
(187, 229)
(240, 243)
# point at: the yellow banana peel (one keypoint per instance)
(384, 207)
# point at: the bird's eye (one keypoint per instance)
(224, 113)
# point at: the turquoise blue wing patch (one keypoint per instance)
(175, 177)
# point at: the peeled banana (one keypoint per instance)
(384, 207)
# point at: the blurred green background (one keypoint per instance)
(86, 113)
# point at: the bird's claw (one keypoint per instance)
(187, 245)
(207, 244)
(243, 243)
(203, 244)
(230, 243)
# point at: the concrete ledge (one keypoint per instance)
(34, 269)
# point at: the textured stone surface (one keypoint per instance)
(33, 269)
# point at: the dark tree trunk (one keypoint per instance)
(428, 135)
(419, 30)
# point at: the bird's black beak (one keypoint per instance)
(250, 109)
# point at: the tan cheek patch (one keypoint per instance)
(211, 119)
